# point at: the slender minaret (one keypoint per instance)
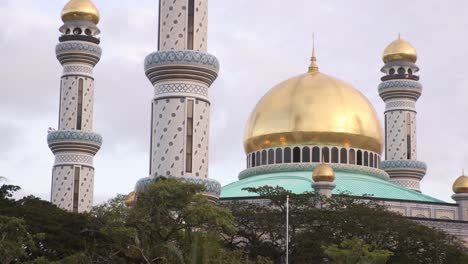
(400, 90)
(181, 73)
(74, 144)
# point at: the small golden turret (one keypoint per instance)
(80, 10)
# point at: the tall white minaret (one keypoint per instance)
(181, 72)
(74, 144)
(400, 90)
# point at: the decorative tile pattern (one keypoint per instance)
(173, 24)
(400, 164)
(181, 57)
(73, 158)
(397, 84)
(188, 88)
(63, 135)
(72, 46)
(67, 69)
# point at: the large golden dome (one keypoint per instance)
(80, 10)
(313, 109)
(399, 50)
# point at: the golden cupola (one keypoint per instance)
(461, 184)
(80, 10)
(323, 173)
(399, 50)
(313, 109)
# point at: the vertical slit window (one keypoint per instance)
(79, 107)
(76, 189)
(366, 158)
(257, 159)
(306, 154)
(264, 157)
(316, 154)
(252, 157)
(352, 156)
(375, 161)
(408, 136)
(287, 155)
(371, 162)
(326, 154)
(334, 153)
(279, 156)
(271, 156)
(189, 139)
(343, 156)
(191, 23)
(296, 155)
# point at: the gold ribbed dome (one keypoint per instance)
(399, 50)
(80, 10)
(323, 173)
(461, 185)
(313, 109)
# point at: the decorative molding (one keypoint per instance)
(405, 84)
(181, 57)
(67, 135)
(286, 167)
(78, 46)
(181, 88)
(400, 104)
(77, 69)
(73, 158)
(403, 164)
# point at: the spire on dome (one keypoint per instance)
(313, 68)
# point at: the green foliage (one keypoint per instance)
(356, 251)
(14, 240)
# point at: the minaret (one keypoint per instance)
(74, 144)
(400, 90)
(181, 73)
(460, 188)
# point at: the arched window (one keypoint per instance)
(410, 71)
(305, 154)
(88, 32)
(271, 156)
(252, 157)
(359, 157)
(257, 160)
(296, 155)
(287, 155)
(264, 157)
(392, 71)
(371, 161)
(352, 156)
(401, 70)
(334, 153)
(376, 162)
(326, 154)
(366, 158)
(79, 106)
(248, 161)
(316, 154)
(343, 156)
(279, 156)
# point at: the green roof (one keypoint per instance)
(349, 183)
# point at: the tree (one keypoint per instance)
(356, 251)
(14, 239)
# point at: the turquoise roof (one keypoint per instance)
(349, 183)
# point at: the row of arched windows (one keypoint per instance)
(313, 154)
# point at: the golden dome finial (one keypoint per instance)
(399, 50)
(323, 172)
(461, 184)
(313, 68)
(80, 10)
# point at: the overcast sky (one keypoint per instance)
(259, 44)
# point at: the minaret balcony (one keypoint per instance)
(74, 141)
(400, 88)
(181, 64)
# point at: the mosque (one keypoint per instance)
(312, 132)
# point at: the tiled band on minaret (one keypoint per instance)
(181, 73)
(74, 144)
(400, 90)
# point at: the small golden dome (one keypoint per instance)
(131, 199)
(461, 185)
(399, 50)
(80, 10)
(313, 109)
(323, 173)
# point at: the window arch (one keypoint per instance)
(343, 156)
(410, 71)
(271, 156)
(359, 157)
(287, 155)
(296, 155)
(326, 154)
(401, 70)
(366, 158)
(279, 156)
(352, 156)
(264, 157)
(334, 154)
(252, 157)
(316, 154)
(376, 164)
(305, 154)
(371, 161)
(392, 71)
(257, 159)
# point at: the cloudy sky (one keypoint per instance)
(259, 43)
